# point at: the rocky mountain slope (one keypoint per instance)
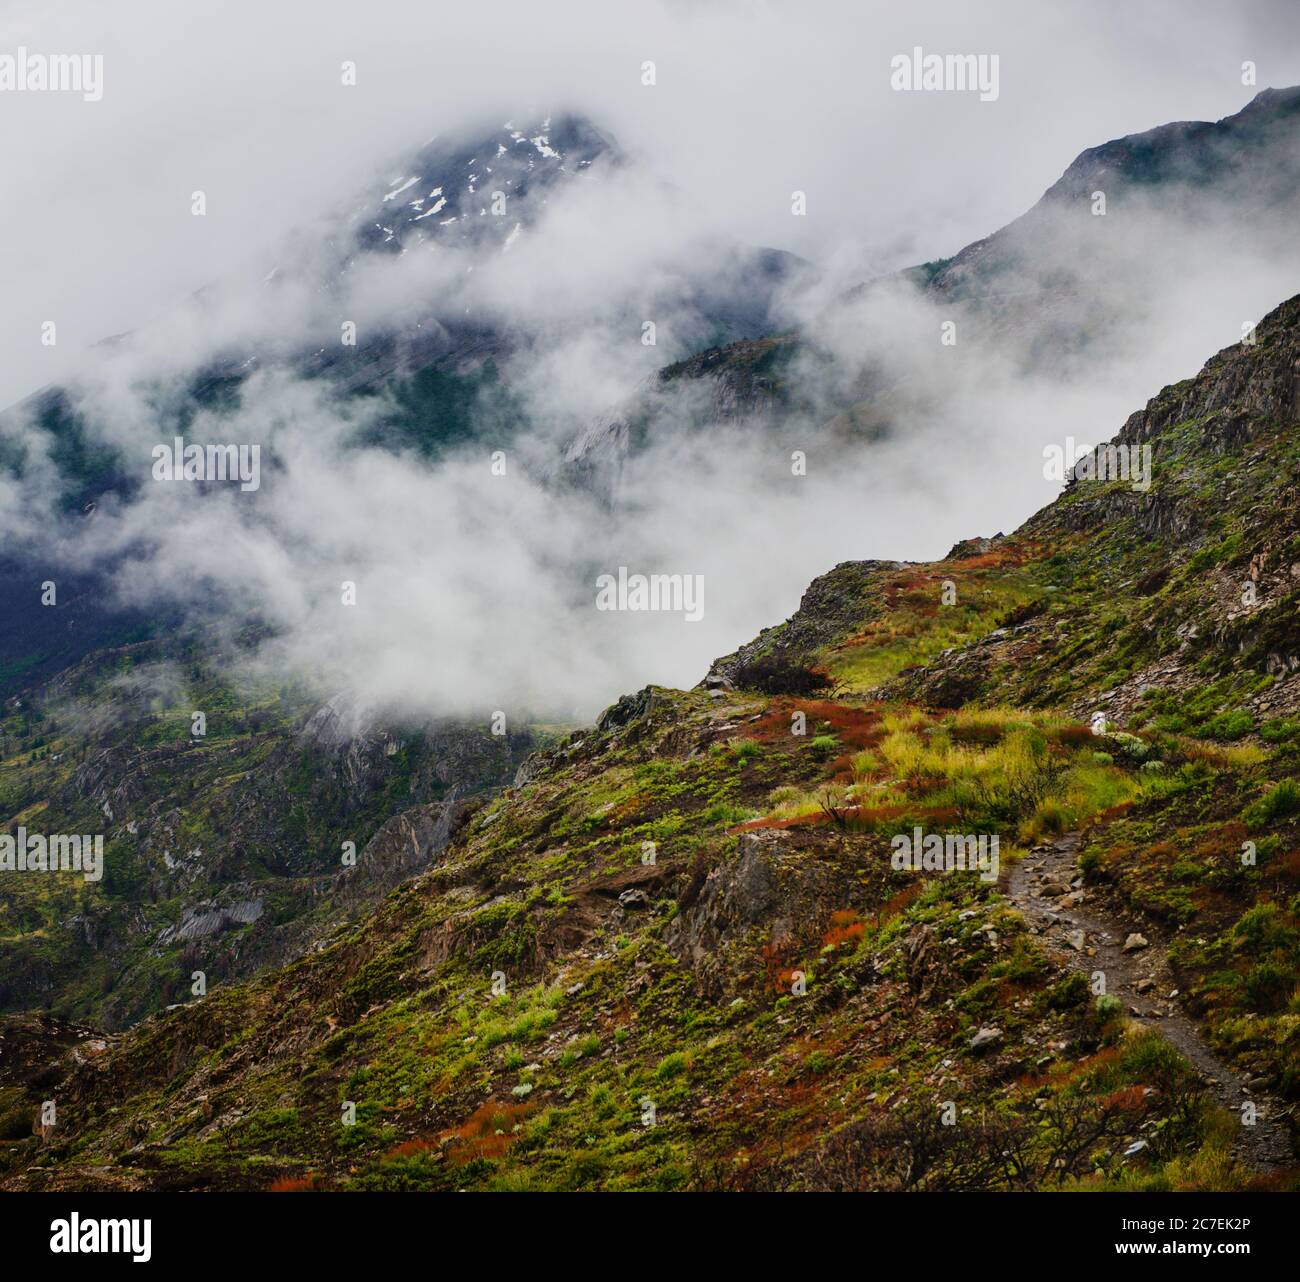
(682, 952)
(230, 851)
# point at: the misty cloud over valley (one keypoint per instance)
(503, 431)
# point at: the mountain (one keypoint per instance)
(466, 176)
(1048, 280)
(682, 950)
(1064, 293)
(440, 359)
(429, 376)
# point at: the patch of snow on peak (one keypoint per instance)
(433, 209)
(397, 191)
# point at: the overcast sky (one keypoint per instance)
(243, 100)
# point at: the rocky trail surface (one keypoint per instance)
(1079, 928)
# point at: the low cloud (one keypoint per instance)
(476, 590)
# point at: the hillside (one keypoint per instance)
(677, 952)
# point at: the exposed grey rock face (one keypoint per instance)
(201, 920)
(769, 888)
(629, 708)
(732, 899)
(406, 845)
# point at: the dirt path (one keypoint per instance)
(1072, 922)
